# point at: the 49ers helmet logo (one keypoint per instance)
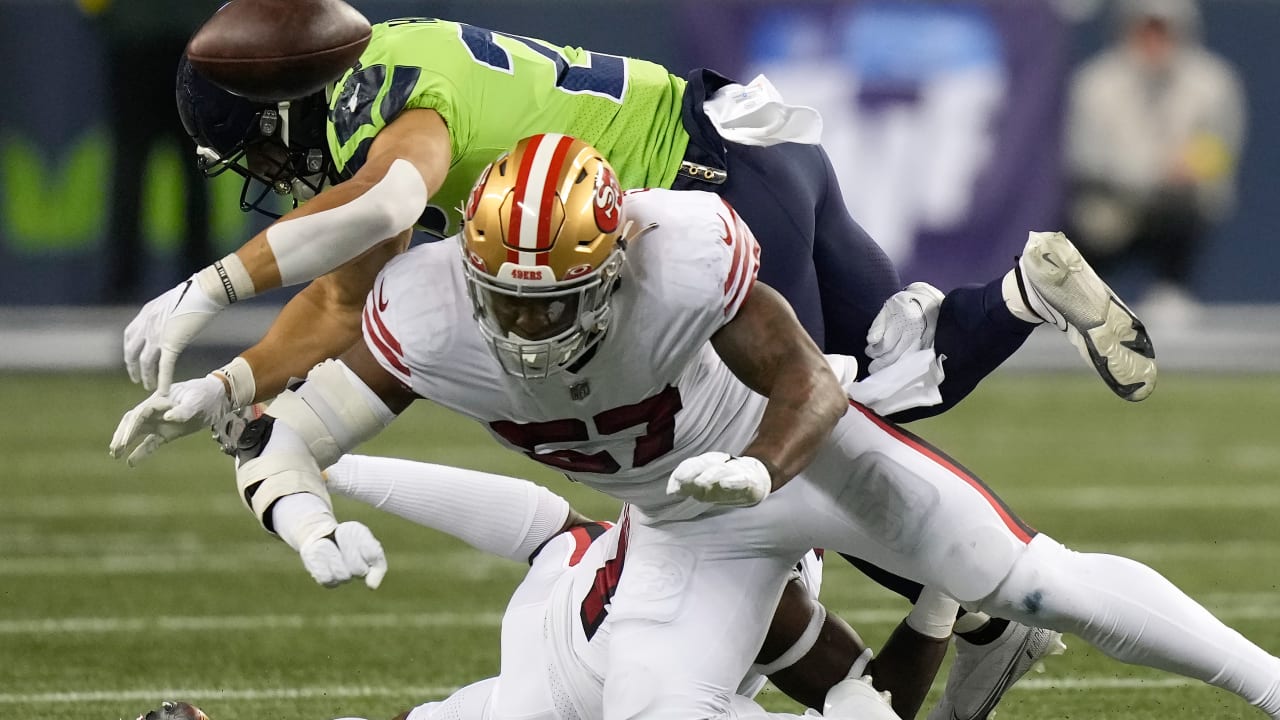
(607, 199)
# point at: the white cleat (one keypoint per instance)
(1059, 286)
(981, 674)
(855, 699)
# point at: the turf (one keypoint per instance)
(119, 588)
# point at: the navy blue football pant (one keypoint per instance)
(834, 275)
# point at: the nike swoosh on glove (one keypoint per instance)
(162, 329)
(721, 478)
(907, 322)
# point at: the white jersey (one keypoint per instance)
(555, 632)
(654, 393)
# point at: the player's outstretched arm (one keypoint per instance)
(500, 515)
(318, 323)
(279, 457)
(407, 162)
(768, 350)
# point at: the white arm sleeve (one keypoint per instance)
(499, 515)
(310, 246)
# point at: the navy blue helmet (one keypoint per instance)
(275, 147)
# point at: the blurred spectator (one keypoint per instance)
(143, 40)
(1154, 130)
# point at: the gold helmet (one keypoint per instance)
(542, 249)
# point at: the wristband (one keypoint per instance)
(238, 377)
(226, 281)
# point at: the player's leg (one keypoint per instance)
(468, 703)
(808, 650)
(916, 512)
(505, 516)
(687, 617)
(1052, 282)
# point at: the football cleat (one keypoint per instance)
(981, 674)
(1060, 288)
(170, 710)
(854, 698)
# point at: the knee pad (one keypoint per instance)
(963, 548)
(976, 562)
(889, 501)
(1033, 577)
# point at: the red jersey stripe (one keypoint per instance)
(371, 325)
(749, 267)
(386, 334)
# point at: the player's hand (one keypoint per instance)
(189, 406)
(720, 478)
(162, 329)
(348, 550)
(906, 322)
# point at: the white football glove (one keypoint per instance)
(189, 406)
(721, 478)
(907, 322)
(349, 550)
(162, 329)
(857, 698)
(332, 553)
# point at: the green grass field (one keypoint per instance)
(119, 588)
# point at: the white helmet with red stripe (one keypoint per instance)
(543, 242)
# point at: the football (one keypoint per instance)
(274, 50)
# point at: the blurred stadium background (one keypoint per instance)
(121, 588)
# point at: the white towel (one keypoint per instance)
(755, 114)
(910, 382)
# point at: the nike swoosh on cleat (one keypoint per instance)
(1048, 257)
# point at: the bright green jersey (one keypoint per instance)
(493, 89)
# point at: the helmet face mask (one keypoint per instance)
(506, 313)
(542, 251)
(278, 148)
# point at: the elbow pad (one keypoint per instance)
(333, 411)
(272, 461)
(310, 246)
(283, 452)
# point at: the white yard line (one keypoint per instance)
(199, 695)
(426, 693)
(1096, 497)
(243, 559)
(142, 558)
(178, 623)
(1257, 608)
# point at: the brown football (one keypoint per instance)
(278, 49)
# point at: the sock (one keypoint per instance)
(933, 614)
(1012, 292)
(969, 621)
(496, 514)
(1133, 614)
(987, 633)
